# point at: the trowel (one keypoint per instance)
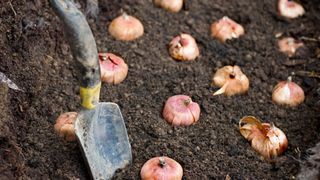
(99, 127)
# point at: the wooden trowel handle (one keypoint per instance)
(84, 50)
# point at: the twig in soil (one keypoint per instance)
(309, 39)
(298, 160)
(295, 62)
(50, 57)
(14, 12)
(297, 151)
(308, 74)
(17, 148)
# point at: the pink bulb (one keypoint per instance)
(170, 5)
(265, 138)
(161, 168)
(225, 29)
(231, 81)
(290, 9)
(184, 48)
(179, 110)
(289, 46)
(113, 68)
(288, 93)
(64, 126)
(126, 28)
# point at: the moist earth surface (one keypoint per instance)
(35, 54)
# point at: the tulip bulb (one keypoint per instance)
(126, 28)
(113, 68)
(170, 5)
(64, 126)
(231, 80)
(290, 9)
(289, 46)
(288, 93)
(179, 110)
(225, 29)
(266, 139)
(161, 168)
(184, 48)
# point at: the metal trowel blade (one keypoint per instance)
(104, 140)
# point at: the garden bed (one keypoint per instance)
(36, 56)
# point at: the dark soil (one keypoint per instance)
(35, 55)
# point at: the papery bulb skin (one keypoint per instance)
(231, 80)
(225, 29)
(184, 48)
(288, 93)
(290, 9)
(113, 68)
(180, 110)
(126, 28)
(64, 126)
(289, 46)
(271, 144)
(277, 138)
(266, 139)
(161, 168)
(170, 5)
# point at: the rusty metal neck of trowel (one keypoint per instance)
(84, 50)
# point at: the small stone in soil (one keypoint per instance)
(33, 162)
